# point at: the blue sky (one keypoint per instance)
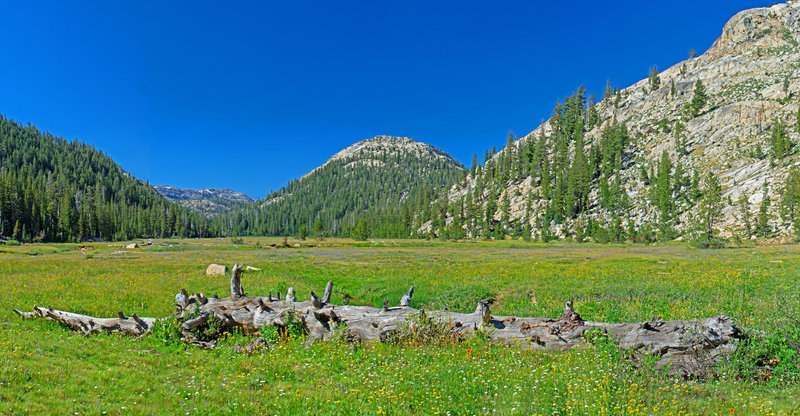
(250, 95)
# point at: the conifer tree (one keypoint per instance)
(505, 210)
(710, 208)
(790, 203)
(695, 192)
(608, 92)
(763, 228)
(699, 98)
(744, 216)
(319, 230)
(663, 189)
(653, 78)
(779, 141)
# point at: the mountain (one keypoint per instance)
(368, 182)
(183, 194)
(209, 201)
(53, 189)
(706, 147)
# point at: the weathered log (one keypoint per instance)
(406, 299)
(328, 291)
(89, 325)
(684, 347)
(236, 283)
(316, 301)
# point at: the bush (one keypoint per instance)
(168, 331)
(421, 329)
(293, 328)
(767, 357)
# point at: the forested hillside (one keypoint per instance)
(53, 189)
(705, 149)
(374, 187)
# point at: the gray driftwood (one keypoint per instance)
(688, 347)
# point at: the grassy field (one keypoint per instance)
(47, 370)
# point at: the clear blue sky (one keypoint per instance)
(249, 95)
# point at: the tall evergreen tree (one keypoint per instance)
(710, 207)
(699, 98)
(762, 224)
(653, 78)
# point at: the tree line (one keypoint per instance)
(53, 189)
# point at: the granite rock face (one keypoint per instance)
(752, 78)
(183, 194)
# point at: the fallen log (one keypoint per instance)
(687, 347)
(89, 325)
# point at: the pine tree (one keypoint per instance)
(319, 230)
(762, 223)
(710, 208)
(653, 78)
(699, 98)
(474, 167)
(780, 142)
(663, 189)
(360, 231)
(695, 193)
(790, 203)
(744, 216)
(505, 210)
(608, 91)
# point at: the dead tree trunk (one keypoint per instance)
(685, 347)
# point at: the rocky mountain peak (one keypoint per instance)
(373, 151)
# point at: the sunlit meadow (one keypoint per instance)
(47, 370)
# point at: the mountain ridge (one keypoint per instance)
(368, 179)
(175, 193)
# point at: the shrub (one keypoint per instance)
(422, 329)
(168, 331)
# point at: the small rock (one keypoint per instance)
(216, 270)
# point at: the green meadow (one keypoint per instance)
(45, 369)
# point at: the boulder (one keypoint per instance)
(132, 245)
(216, 270)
